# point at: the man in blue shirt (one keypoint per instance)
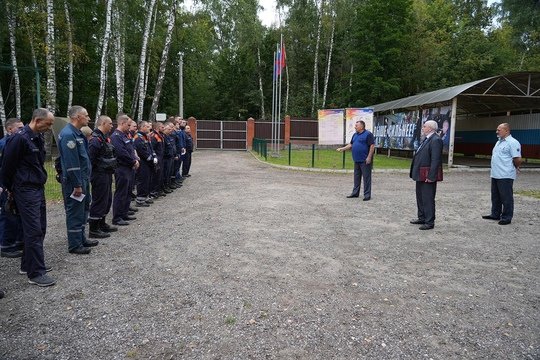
(363, 146)
(76, 168)
(505, 162)
(24, 176)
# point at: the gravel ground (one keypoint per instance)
(248, 261)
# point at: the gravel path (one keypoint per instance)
(247, 261)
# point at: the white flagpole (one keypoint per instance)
(273, 100)
(279, 96)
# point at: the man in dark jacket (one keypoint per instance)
(24, 177)
(103, 160)
(426, 170)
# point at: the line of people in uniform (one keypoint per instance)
(153, 158)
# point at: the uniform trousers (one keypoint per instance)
(11, 239)
(101, 195)
(31, 205)
(144, 180)
(122, 196)
(186, 164)
(76, 214)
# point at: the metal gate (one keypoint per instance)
(224, 135)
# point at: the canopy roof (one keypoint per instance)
(511, 92)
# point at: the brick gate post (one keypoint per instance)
(250, 134)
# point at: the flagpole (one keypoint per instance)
(279, 96)
(273, 99)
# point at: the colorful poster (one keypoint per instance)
(403, 130)
(331, 127)
(396, 131)
(354, 115)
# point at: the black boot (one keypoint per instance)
(95, 231)
(106, 227)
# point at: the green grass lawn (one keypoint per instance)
(331, 159)
(53, 189)
(530, 193)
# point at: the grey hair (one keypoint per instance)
(432, 124)
(74, 111)
(40, 113)
(101, 120)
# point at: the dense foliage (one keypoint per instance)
(383, 49)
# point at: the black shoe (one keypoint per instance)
(2, 293)
(149, 201)
(133, 209)
(366, 199)
(129, 217)
(81, 250)
(489, 217)
(426, 227)
(99, 234)
(90, 243)
(167, 191)
(505, 222)
(351, 196)
(11, 254)
(106, 227)
(187, 175)
(141, 204)
(120, 222)
(417, 222)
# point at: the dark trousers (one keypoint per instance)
(157, 179)
(144, 180)
(180, 164)
(10, 228)
(502, 198)
(168, 168)
(362, 171)
(186, 164)
(101, 195)
(177, 168)
(31, 205)
(425, 201)
(122, 196)
(76, 215)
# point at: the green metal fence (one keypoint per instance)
(260, 146)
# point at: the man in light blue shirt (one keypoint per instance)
(505, 162)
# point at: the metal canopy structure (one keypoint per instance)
(515, 92)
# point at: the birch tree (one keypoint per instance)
(70, 56)
(2, 110)
(164, 59)
(328, 65)
(142, 62)
(104, 58)
(316, 61)
(12, 47)
(51, 59)
(119, 59)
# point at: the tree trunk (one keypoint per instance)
(2, 110)
(51, 59)
(316, 61)
(104, 59)
(12, 42)
(142, 62)
(70, 56)
(164, 59)
(351, 83)
(263, 115)
(327, 77)
(119, 60)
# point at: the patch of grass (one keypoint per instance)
(331, 159)
(530, 193)
(230, 320)
(131, 353)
